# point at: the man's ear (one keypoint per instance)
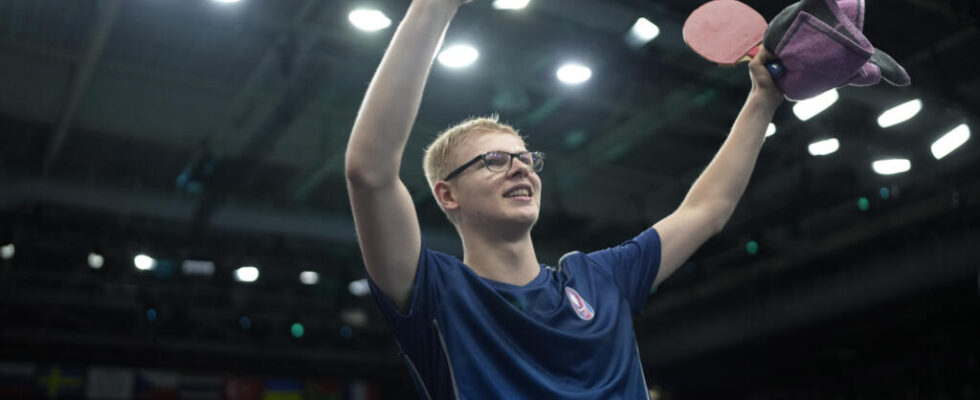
(445, 196)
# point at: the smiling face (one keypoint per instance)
(479, 197)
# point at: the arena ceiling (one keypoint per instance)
(201, 130)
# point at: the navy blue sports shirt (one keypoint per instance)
(567, 334)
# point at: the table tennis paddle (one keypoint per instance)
(727, 32)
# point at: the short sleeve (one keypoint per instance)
(633, 266)
(421, 305)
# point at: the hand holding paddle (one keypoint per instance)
(763, 81)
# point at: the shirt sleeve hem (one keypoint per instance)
(649, 237)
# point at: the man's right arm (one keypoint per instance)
(387, 225)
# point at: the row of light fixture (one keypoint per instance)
(244, 274)
(947, 142)
(459, 55)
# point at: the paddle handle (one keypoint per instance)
(775, 68)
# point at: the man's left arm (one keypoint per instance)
(711, 200)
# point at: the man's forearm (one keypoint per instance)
(392, 101)
(723, 182)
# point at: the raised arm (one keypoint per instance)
(712, 199)
(387, 225)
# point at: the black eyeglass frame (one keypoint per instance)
(482, 157)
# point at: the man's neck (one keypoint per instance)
(510, 261)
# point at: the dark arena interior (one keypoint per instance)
(174, 219)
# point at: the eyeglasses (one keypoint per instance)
(500, 161)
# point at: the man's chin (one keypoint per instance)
(525, 220)
(518, 222)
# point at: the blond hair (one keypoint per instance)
(438, 154)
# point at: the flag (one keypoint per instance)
(17, 380)
(283, 389)
(103, 383)
(200, 387)
(57, 382)
(243, 389)
(324, 390)
(156, 384)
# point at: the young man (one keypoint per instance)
(499, 324)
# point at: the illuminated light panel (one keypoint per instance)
(144, 262)
(247, 273)
(368, 20)
(900, 113)
(309, 277)
(95, 260)
(823, 147)
(574, 74)
(359, 288)
(644, 30)
(809, 108)
(458, 56)
(7, 251)
(950, 141)
(510, 4)
(891, 166)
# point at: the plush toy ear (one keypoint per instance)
(853, 10)
(868, 75)
(891, 71)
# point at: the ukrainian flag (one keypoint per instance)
(283, 389)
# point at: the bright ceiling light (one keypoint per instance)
(644, 31)
(359, 288)
(574, 74)
(900, 113)
(823, 147)
(950, 141)
(227, 1)
(368, 20)
(891, 166)
(510, 4)
(7, 251)
(309, 277)
(771, 129)
(247, 273)
(458, 56)
(809, 108)
(95, 260)
(144, 262)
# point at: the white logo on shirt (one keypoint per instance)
(581, 307)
